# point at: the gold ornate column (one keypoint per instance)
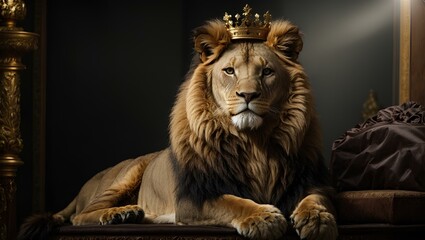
(14, 42)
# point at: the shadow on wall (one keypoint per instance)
(113, 73)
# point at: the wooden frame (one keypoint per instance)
(411, 58)
(404, 57)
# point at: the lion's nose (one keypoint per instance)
(248, 96)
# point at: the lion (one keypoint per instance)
(245, 149)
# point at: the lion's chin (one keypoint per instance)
(247, 120)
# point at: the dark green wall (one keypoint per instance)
(348, 51)
(113, 71)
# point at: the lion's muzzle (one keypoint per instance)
(247, 119)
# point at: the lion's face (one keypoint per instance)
(248, 83)
(242, 89)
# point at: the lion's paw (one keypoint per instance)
(266, 223)
(126, 214)
(314, 222)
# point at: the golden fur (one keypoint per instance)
(245, 149)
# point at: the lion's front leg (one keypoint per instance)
(312, 219)
(252, 220)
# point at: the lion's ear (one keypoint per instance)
(286, 38)
(210, 40)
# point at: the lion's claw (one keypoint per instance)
(126, 214)
(314, 223)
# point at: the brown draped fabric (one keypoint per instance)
(386, 151)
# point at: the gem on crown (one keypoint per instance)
(247, 27)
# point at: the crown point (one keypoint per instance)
(248, 27)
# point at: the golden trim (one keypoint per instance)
(13, 44)
(405, 28)
(10, 136)
(12, 11)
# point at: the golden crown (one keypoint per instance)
(248, 27)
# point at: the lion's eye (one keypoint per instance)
(267, 71)
(229, 71)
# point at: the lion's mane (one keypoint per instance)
(211, 154)
(222, 169)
